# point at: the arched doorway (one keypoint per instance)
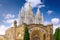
(35, 35)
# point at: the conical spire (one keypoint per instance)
(21, 16)
(38, 17)
(22, 9)
(38, 12)
(29, 15)
(29, 6)
(42, 19)
(22, 12)
(29, 9)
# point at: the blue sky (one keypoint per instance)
(9, 10)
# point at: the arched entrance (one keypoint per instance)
(35, 35)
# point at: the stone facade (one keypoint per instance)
(36, 31)
(2, 37)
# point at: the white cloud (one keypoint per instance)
(9, 20)
(34, 3)
(8, 16)
(3, 28)
(46, 23)
(56, 23)
(55, 20)
(41, 6)
(55, 26)
(12, 23)
(49, 11)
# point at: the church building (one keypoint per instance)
(34, 23)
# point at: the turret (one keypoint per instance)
(15, 26)
(21, 16)
(15, 23)
(29, 11)
(38, 13)
(29, 15)
(42, 19)
(19, 19)
(22, 13)
(38, 17)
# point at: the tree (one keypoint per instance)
(26, 34)
(57, 34)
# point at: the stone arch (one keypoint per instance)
(37, 34)
(37, 28)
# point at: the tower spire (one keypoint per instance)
(38, 12)
(37, 17)
(21, 15)
(29, 9)
(29, 15)
(42, 18)
(22, 9)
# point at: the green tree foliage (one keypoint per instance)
(57, 34)
(26, 34)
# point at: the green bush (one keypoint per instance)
(26, 34)
(57, 34)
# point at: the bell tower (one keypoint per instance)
(38, 17)
(21, 16)
(29, 15)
